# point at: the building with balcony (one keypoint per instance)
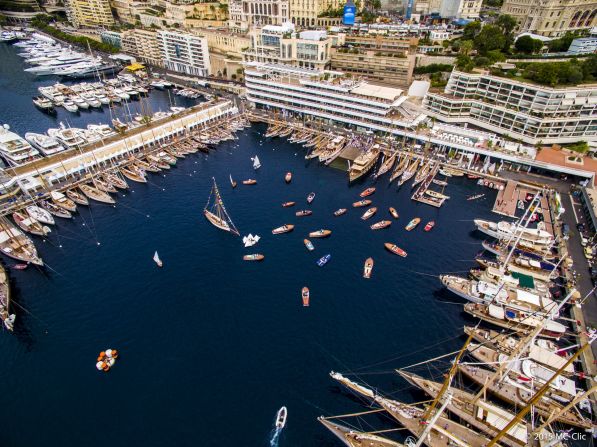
(184, 53)
(225, 51)
(281, 44)
(304, 13)
(552, 18)
(144, 45)
(331, 97)
(89, 13)
(390, 68)
(519, 110)
(247, 13)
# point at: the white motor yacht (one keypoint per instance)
(103, 130)
(14, 149)
(69, 137)
(70, 106)
(80, 102)
(47, 145)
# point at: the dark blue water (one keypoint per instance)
(212, 346)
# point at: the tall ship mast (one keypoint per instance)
(215, 212)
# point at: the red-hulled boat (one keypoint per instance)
(287, 204)
(395, 249)
(367, 192)
(288, 177)
(430, 225)
(305, 295)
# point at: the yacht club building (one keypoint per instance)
(528, 112)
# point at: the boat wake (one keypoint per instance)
(273, 442)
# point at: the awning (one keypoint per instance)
(525, 281)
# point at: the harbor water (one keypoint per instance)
(212, 346)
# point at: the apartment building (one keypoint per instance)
(247, 13)
(391, 68)
(393, 44)
(184, 53)
(531, 113)
(226, 51)
(460, 9)
(329, 96)
(281, 44)
(89, 13)
(304, 13)
(144, 45)
(552, 18)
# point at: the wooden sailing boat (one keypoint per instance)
(6, 317)
(386, 165)
(354, 438)
(216, 213)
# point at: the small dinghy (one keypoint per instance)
(394, 213)
(305, 296)
(324, 260)
(281, 418)
(254, 257)
(288, 177)
(283, 229)
(287, 204)
(55, 210)
(250, 240)
(367, 192)
(308, 244)
(310, 197)
(40, 214)
(106, 360)
(381, 225)
(395, 249)
(250, 182)
(339, 212)
(412, 224)
(20, 266)
(370, 212)
(157, 260)
(320, 233)
(368, 268)
(361, 203)
(303, 213)
(430, 225)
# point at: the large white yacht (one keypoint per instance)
(47, 145)
(14, 149)
(70, 137)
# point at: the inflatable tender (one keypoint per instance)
(106, 360)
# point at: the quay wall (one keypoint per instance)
(56, 169)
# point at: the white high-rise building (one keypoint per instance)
(184, 53)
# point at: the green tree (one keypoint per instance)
(490, 38)
(471, 30)
(506, 23)
(464, 62)
(528, 45)
(466, 46)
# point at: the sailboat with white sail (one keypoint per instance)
(215, 212)
(250, 240)
(256, 162)
(157, 260)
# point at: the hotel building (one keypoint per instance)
(523, 111)
(184, 53)
(89, 13)
(247, 13)
(330, 97)
(281, 44)
(144, 45)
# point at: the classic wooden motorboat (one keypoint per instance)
(367, 192)
(382, 224)
(368, 268)
(308, 244)
(310, 197)
(440, 182)
(254, 257)
(133, 174)
(305, 296)
(29, 224)
(96, 194)
(339, 212)
(62, 201)
(394, 213)
(365, 202)
(320, 233)
(216, 214)
(287, 204)
(475, 197)
(55, 210)
(324, 260)
(395, 249)
(430, 225)
(370, 212)
(303, 213)
(283, 229)
(250, 181)
(412, 224)
(76, 197)
(288, 177)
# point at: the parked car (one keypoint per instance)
(589, 252)
(583, 240)
(566, 230)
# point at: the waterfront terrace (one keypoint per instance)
(75, 163)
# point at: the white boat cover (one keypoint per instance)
(496, 312)
(542, 374)
(545, 357)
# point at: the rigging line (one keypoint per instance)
(54, 270)
(431, 360)
(29, 312)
